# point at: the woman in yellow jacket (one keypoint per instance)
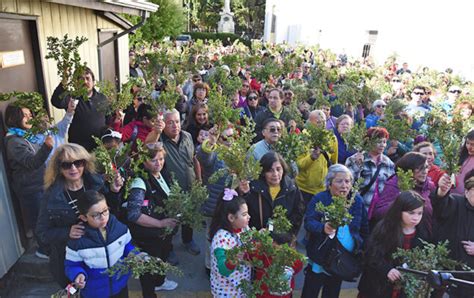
(313, 166)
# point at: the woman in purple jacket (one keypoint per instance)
(417, 164)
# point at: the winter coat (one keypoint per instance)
(26, 161)
(289, 197)
(210, 164)
(391, 192)
(342, 151)
(56, 217)
(91, 255)
(374, 282)
(89, 117)
(313, 223)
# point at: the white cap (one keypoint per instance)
(378, 102)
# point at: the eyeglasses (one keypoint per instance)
(455, 91)
(380, 106)
(274, 129)
(418, 93)
(196, 80)
(98, 215)
(155, 146)
(66, 165)
(252, 98)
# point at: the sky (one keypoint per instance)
(437, 33)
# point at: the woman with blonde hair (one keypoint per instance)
(70, 172)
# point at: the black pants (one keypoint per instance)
(156, 247)
(122, 294)
(186, 234)
(313, 282)
(306, 198)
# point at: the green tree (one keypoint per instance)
(169, 20)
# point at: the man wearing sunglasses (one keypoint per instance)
(453, 94)
(271, 134)
(419, 105)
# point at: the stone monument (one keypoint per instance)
(226, 24)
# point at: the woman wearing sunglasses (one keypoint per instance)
(252, 104)
(70, 172)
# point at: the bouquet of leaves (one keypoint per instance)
(405, 180)
(355, 138)
(65, 52)
(40, 123)
(259, 249)
(220, 110)
(426, 258)
(398, 127)
(279, 221)
(319, 137)
(291, 146)
(336, 213)
(444, 132)
(185, 205)
(120, 100)
(123, 161)
(237, 167)
(140, 264)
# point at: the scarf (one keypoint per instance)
(22, 133)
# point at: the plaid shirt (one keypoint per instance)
(367, 170)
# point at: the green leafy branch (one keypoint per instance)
(263, 254)
(140, 264)
(280, 222)
(65, 52)
(185, 205)
(336, 213)
(405, 180)
(429, 257)
(40, 122)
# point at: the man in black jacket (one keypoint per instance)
(89, 118)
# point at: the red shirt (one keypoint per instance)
(435, 174)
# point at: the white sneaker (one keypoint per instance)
(168, 285)
(41, 255)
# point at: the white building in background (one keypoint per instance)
(435, 33)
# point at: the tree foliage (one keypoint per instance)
(169, 20)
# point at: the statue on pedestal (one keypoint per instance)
(226, 23)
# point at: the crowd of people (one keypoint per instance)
(84, 223)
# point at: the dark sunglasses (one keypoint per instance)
(396, 81)
(380, 107)
(274, 129)
(195, 81)
(455, 91)
(252, 98)
(418, 93)
(66, 165)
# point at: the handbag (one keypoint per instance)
(342, 263)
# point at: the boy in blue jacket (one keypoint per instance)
(105, 241)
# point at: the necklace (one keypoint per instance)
(72, 202)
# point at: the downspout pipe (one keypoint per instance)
(143, 15)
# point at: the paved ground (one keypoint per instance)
(193, 283)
